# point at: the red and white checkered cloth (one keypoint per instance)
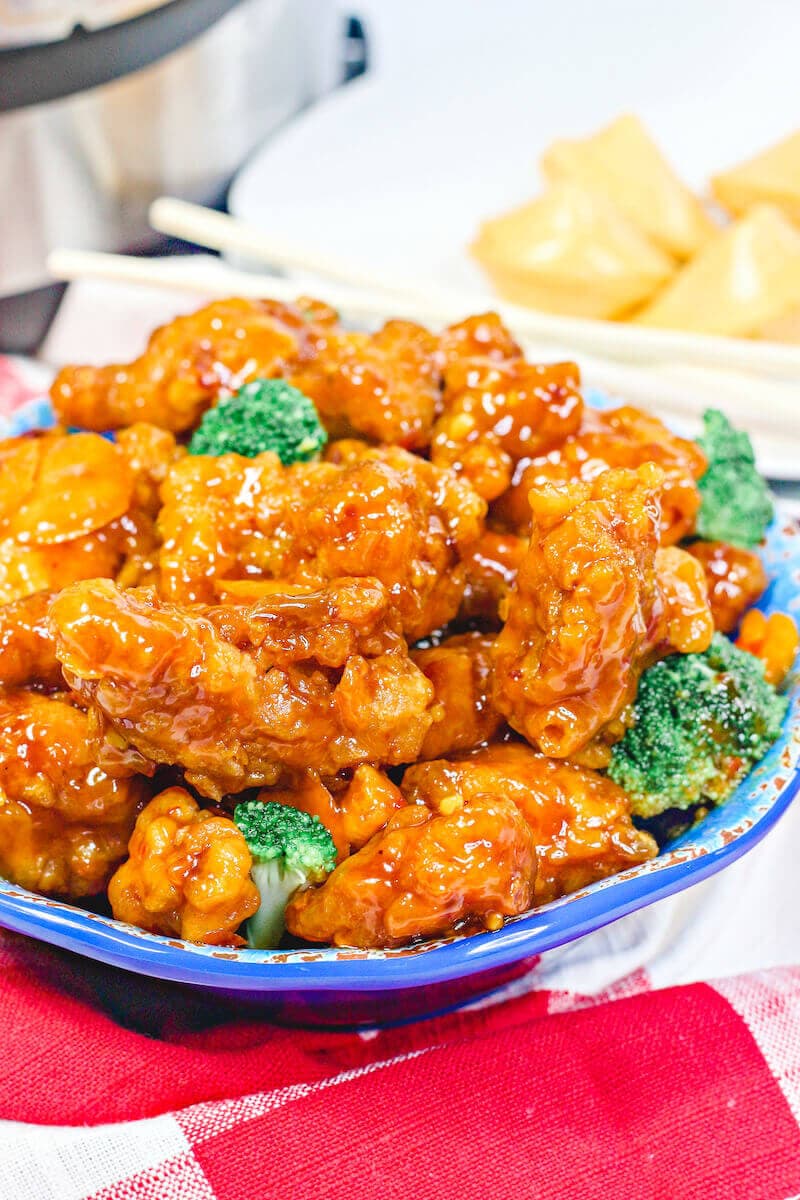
(678, 1093)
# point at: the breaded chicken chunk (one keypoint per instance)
(580, 820)
(384, 513)
(191, 362)
(619, 437)
(382, 386)
(482, 336)
(424, 874)
(491, 568)
(61, 497)
(187, 874)
(236, 696)
(498, 413)
(735, 578)
(64, 822)
(27, 650)
(589, 610)
(77, 506)
(460, 669)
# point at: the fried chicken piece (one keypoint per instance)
(237, 696)
(76, 506)
(386, 386)
(580, 820)
(25, 569)
(351, 811)
(382, 385)
(188, 874)
(424, 875)
(588, 611)
(190, 363)
(687, 622)
(483, 336)
(299, 625)
(64, 823)
(27, 651)
(367, 803)
(498, 413)
(491, 566)
(460, 669)
(58, 487)
(384, 513)
(620, 437)
(735, 578)
(60, 498)
(150, 452)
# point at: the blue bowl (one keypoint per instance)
(355, 987)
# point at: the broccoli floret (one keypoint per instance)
(700, 722)
(290, 850)
(267, 414)
(736, 505)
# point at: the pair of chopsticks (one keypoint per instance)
(369, 294)
(685, 372)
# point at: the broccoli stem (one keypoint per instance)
(276, 886)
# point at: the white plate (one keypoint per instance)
(396, 171)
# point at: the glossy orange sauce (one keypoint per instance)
(187, 875)
(735, 579)
(580, 820)
(64, 822)
(424, 874)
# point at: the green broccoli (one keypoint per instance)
(267, 414)
(736, 505)
(700, 722)
(290, 850)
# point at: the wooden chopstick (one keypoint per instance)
(625, 343)
(219, 231)
(211, 278)
(653, 386)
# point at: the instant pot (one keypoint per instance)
(105, 104)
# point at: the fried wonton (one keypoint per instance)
(571, 251)
(745, 278)
(623, 163)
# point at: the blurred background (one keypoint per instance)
(385, 130)
(105, 105)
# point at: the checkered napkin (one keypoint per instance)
(679, 1093)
